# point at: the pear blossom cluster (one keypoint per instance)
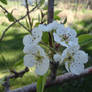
(72, 57)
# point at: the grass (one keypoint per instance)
(11, 57)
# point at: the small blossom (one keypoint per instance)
(37, 34)
(27, 40)
(57, 57)
(74, 67)
(42, 27)
(34, 38)
(52, 26)
(65, 36)
(48, 28)
(74, 59)
(37, 57)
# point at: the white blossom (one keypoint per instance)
(74, 59)
(65, 36)
(49, 27)
(34, 38)
(37, 34)
(37, 57)
(81, 55)
(27, 40)
(52, 26)
(42, 27)
(76, 68)
(57, 57)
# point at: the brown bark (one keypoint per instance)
(59, 80)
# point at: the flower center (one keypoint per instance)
(69, 58)
(65, 37)
(38, 57)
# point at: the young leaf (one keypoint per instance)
(45, 37)
(42, 2)
(39, 18)
(85, 39)
(41, 83)
(56, 17)
(4, 1)
(27, 24)
(57, 12)
(10, 17)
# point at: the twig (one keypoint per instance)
(50, 19)
(14, 18)
(58, 81)
(27, 7)
(3, 34)
(14, 75)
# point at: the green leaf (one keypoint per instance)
(41, 83)
(85, 39)
(57, 12)
(45, 8)
(10, 17)
(56, 17)
(27, 24)
(42, 2)
(45, 37)
(39, 18)
(4, 1)
(36, 24)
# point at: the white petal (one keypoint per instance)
(64, 55)
(37, 34)
(41, 69)
(63, 43)
(42, 27)
(73, 42)
(57, 57)
(56, 38)
(73, 49)
(71, 32)
(67, 66)
(29, 60)
(27, 40)
(61, 29)
(52, 26)
(27, 49)
(81, 56)
(41, 50)
(76, 68)
(30, 49)
(55, 25)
